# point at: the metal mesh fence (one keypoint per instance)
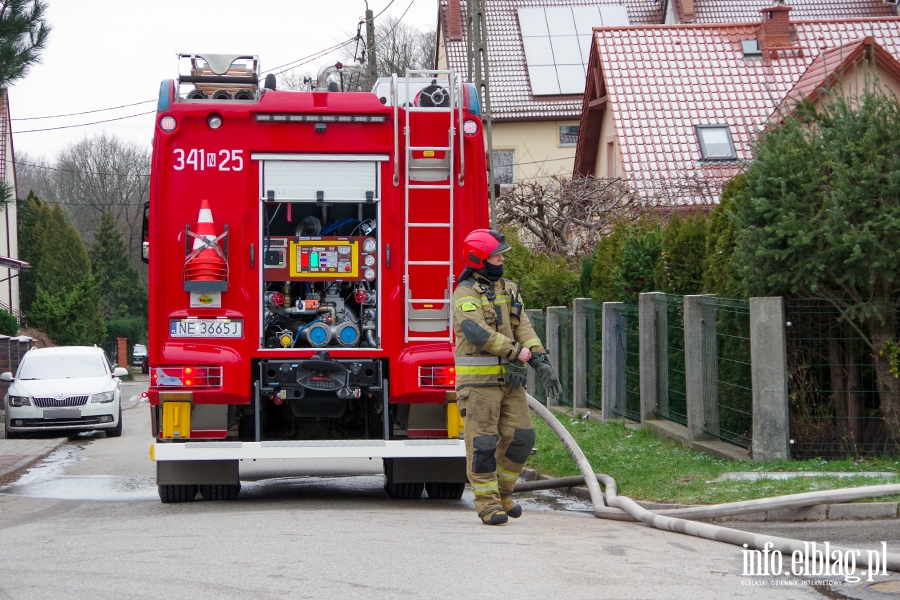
(539, 322)
(566, 345)
(594, 354)
(628, 379)
(111, 348)
(727, 387)
(671, 382)
(833, 386)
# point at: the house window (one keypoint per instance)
(715, 142)
(751, 48)
(503, 162)
(568, 135)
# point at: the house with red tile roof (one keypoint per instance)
(538, 51)
(732, 11)
(673, 110)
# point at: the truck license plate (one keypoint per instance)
(206, 328)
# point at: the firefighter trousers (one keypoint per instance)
(499, 438)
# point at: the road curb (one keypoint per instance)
(16, 455)
(818, 512)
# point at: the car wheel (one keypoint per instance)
(220, 492)
(145, 366)
(117, 430)
(445, 491)
(12, 435)
(177, 493)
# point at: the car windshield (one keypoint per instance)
(61, 366)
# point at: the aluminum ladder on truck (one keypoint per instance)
(422, 178)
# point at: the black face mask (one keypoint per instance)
(493, 272)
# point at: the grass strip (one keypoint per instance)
(648, 468)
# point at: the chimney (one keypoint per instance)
(454, 20)
(775, 32)
(687, 9)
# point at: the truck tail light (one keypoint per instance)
(186, 376)
(437, 376)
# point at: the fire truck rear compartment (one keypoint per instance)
(320, 279)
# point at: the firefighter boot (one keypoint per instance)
(494, 516)
(510, 507)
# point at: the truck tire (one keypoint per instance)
(445, 491)
(220, 491)
(401, 491)
(177, 493)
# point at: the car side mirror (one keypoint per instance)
(117, 372)
(6, 377)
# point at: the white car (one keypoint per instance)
(70, 388)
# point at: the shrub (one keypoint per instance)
(9, 325)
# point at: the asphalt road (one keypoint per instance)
(87, 523)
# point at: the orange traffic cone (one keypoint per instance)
(206, 262)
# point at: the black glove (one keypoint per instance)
(541, 365)
(516, 373)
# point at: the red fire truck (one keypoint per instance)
(302, 247)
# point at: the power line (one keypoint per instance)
(19, 162)
(149, 112)
(87, 112)
(384, 9)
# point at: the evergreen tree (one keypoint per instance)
(640, 253)
(719, 274)
(121, 295)
(70, 317)
(683, 248)
(31, 217)
(820, 217)
(23, 35)
(63, 261)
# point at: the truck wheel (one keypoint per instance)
(220, 491)
(445, 491)
(401, 491)
(177, 493)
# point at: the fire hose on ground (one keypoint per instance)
(613, 506)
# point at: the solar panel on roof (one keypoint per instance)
(544, 81)
(586, 18)
(566, 50)
(560, 20)
(571, 79)
(538, 51)
(613, 16)
(557, 43)
(532, 22)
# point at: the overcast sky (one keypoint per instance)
(107, 53)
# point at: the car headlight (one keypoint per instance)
(103, 397)
(19, 401)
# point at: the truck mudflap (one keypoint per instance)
(450, 448)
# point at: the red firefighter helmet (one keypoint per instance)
(482, 243)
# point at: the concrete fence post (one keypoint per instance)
(697, 367)
(609, 381)
(552, 343)
(530, 385)
(648, 332)
(579, 353)
(768, 368)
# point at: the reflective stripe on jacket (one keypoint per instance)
(491, 328)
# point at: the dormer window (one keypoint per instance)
(715, 142)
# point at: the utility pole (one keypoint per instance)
(370, 46)
(479, 74)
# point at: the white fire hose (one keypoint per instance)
(625, 509)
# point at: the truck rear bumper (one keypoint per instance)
(308, 449)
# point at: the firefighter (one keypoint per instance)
(494, 340)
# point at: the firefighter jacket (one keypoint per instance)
(491, 328)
